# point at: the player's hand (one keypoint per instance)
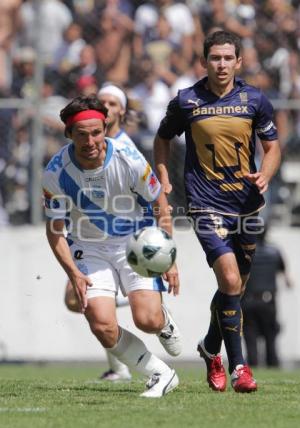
(80, 283)
(166, 187)
(259, 180)
(172, 278)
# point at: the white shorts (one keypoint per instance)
(106, 265)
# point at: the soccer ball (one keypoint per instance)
(151, 251)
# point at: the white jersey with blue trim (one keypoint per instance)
(123, 137)
(113, 200)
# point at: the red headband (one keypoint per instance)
(84, 115)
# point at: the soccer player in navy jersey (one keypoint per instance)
(221, 116)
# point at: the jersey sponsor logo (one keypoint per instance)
(153, 183)
(243, 97)
(146, 172)
(98, 193)
(229, 313)
(89, 179)
(50, 201)
(220, 110)
(266, 128)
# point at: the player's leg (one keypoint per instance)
(70, 299)
(127, 347)
(151, 316)
(117, 371)
(208, 230)
(230, 317)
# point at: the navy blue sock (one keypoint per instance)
(230, 319)
(213, 339)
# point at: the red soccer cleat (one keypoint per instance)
(242, 380)
(216, 375)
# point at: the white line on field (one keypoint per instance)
(22, 409)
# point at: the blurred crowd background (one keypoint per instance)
(63, 48)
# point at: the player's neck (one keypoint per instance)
(218, 90)
(113, 130)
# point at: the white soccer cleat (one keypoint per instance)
(170, 336)
(112, 376)
(160, 384)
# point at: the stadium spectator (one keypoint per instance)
(67, 55)
(9, 27)
(23, 77)
(113, 46)
(259, 302)
(153, 95)
(93, 256)
(87, 67)
(54, 16)
(224, 209)
(178, 16)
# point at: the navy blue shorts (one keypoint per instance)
(220, 234)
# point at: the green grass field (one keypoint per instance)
(69, 396)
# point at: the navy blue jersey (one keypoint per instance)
(220, 139)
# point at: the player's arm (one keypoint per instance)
(161, 150)
(267, 133)
(61, 250)
(172, 124)
(164, 220)
(269, 166)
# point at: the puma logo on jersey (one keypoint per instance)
(196, 103)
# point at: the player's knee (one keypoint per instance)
(107, 334)
(149, 322)
(72, 304)
(231, 283)
(70, 299)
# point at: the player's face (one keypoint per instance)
(221, 65)
(88, 138)
(115, 110)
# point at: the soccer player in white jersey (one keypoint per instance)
(103, 191)
(115, 101)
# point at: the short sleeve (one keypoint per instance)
(264, 126)
(55, 200)
(174, 122)
(145, 183)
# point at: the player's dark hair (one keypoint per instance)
(90, 102)
(220, 38)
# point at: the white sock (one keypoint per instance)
(166, 318)
(114, 364)
(122, 301)
(133, 352)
